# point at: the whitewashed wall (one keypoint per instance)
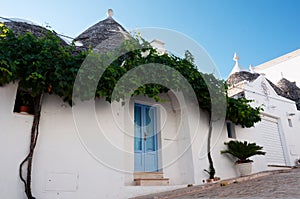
(14, 140)
(81, 160)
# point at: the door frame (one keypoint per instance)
(156, 140)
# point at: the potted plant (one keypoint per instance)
(243, 151)
(25, 102)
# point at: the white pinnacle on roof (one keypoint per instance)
(110, 13)
(236, 67)
(251, 69)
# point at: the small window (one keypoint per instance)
(230, 130)
(23, 102)
(290, 123)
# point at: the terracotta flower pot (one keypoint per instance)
(209, 180)
(217, 178)
(24, 109)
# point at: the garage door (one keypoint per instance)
(272, 141)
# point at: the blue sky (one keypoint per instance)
(258, 30)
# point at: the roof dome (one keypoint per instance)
(108, 31)
(241, 76)
(291, 90)
(285, 84)
(21, 27)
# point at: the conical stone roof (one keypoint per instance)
(291, 90)
(241, 76)
(107, 34)
(21, 28)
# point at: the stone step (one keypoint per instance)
(148, 175)
(151, 182)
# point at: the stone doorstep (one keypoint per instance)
(148, 175)
(150, 179)
(197, 188)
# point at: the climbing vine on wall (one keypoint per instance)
(42, 62)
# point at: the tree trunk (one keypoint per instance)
(211, 171)
(33, 140)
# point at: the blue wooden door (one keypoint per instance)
(145, 139)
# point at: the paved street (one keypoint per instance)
(281, 185)
(284, 184)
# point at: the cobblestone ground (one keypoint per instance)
(282, 185)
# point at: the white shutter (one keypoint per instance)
(272, 141)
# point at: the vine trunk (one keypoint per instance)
(33, 140)
(211, 171)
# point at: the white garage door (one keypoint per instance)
(272, 141)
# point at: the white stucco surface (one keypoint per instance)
(91, 156)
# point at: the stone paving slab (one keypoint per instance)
(270, 184)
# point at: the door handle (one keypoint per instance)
(145, 136)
